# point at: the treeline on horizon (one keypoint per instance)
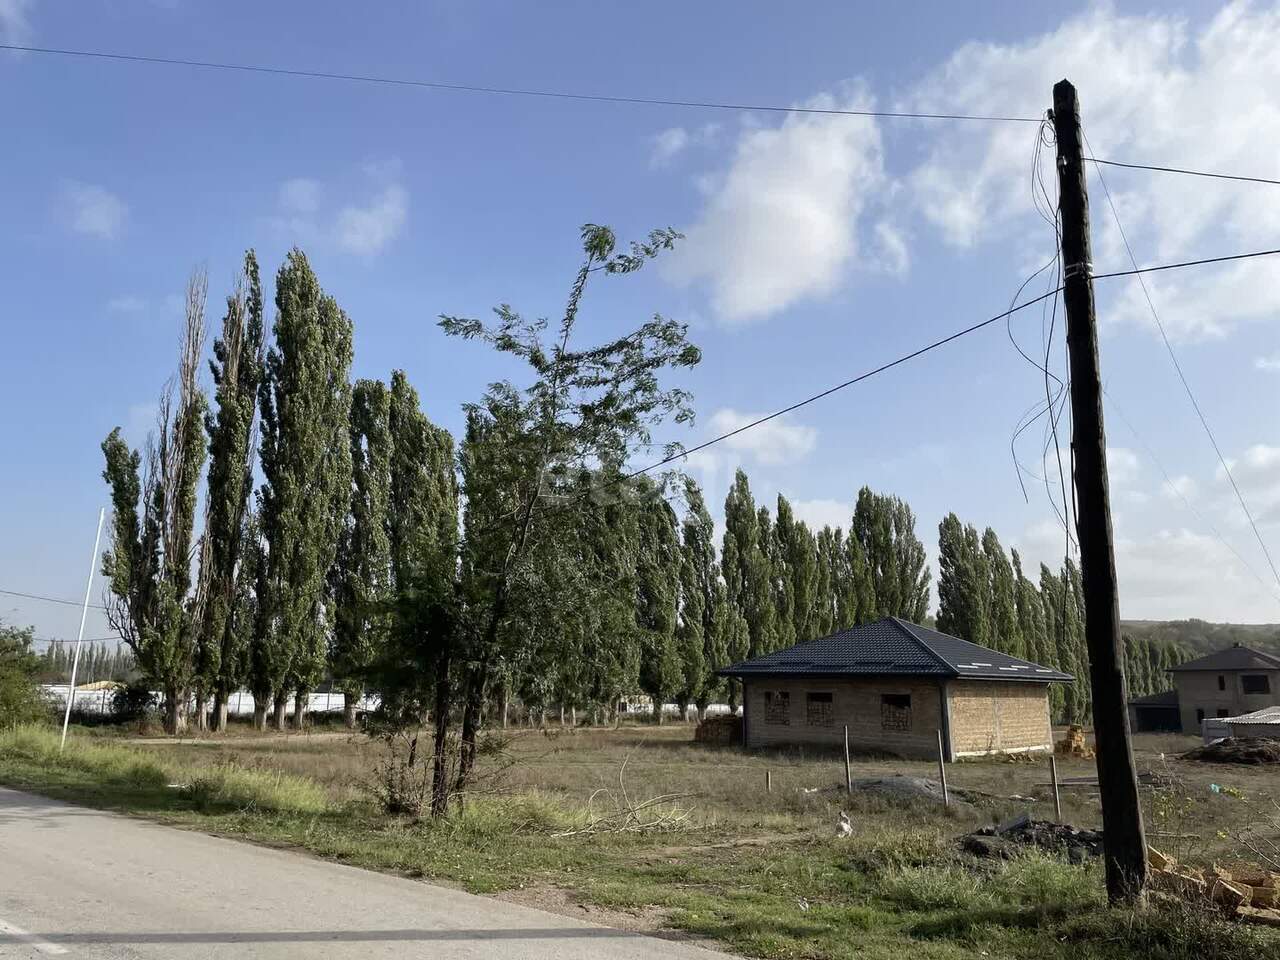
(347, 536)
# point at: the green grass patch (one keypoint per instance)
(761, 874)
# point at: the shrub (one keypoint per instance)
(20, 698)
(133, 702)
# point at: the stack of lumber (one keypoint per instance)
(1074, 743)
(1250, 893)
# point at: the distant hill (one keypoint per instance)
(1200, 636)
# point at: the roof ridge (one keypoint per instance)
(905, 626)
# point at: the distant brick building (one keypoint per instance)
(1226, 684)
(896, 685)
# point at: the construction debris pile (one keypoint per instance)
(1249, 751)
(722, 729)
(1074, 743)
(1248, 893)
(1005, 841)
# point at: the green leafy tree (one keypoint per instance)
(236, 368)
(305, 401)
(884, 526)
(149, 562)
(963, 587)
(20, 699)
(704, 610)
(657, 602)
(362, 581)
(797, 556)
(583, 406)
(747, 574)
(1003, 632)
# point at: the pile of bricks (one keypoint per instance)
(724, 729)
(1074, 743)
(1251, 894)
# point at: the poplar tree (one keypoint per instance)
(236, 368)
(703, 612)
(305, 401)
(824, 606)
(657, 601)
(885, 527)
(746, 568)
(796, 553)
(964, 589)
(362, 582)
(1003, 633)
(149, 562)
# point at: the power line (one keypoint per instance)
(1177, 491)
(504, 91)
(848, 383)
(1175, 266)
(1184, 171)
(36, 596)
(1186, 386)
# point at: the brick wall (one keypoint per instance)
(992, 717)
(873, 722)
(1198, 690)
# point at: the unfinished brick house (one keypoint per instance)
(896, 685)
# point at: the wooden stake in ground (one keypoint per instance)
(942, 771)
(1057, 798)
(848, 773)
(1124, 843)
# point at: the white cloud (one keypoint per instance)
(366, 230)
(1181, 487)
(1152, 89)
(779, 441)
(1123, 466)
(126, 304)
(15, 27)
(823, 513)
(1270, 363)
(667, 144)
(782, 224)
(92, 210)
(300, 195)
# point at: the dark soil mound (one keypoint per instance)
(1237, 751)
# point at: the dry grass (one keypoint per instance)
(758, 870)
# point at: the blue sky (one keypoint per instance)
(816, 247)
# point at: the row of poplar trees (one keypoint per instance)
(984, 596)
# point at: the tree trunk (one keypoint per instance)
(172, 711)
(562, 715)
(301, 699)
(440, 745)
(477, 678)
(657, 711)
(683, 704)
(573, 717)
(701, 707)
(259, 713)
(504, 704)
(202, 712)
(278, 704)
(349, 702)
(219, 711)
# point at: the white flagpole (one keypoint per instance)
(84, 612)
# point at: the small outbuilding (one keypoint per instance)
(896, 685)
(1158, 711)
(1262, 724)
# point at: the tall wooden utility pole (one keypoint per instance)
(1124, 842)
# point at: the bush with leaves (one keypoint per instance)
(20, 697)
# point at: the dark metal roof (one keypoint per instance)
(1168, 698)
(1233, 658)
(893, 647)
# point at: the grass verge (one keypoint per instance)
(772, 883)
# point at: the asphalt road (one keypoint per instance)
(81, 883)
